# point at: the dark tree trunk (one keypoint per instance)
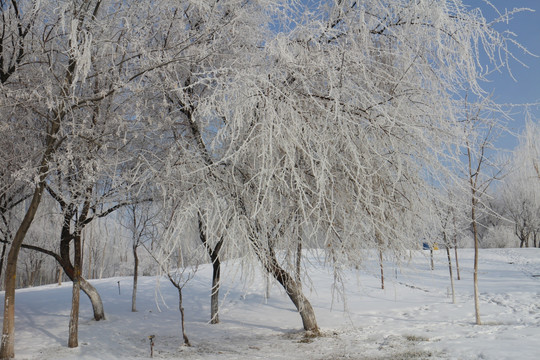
(214, 299)
(298, 265)
(86, 287)
(382, 268)
(75, 301)
(216, 271)
(135, 277)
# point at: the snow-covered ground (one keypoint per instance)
(412, 318)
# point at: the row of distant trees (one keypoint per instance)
(200, 130)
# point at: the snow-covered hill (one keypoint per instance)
(412, 318)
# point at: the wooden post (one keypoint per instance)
(151, 337)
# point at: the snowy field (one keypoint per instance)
(412, 318)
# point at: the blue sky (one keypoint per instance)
(526, 86)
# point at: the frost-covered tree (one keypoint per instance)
(334, 127)
(519, 195)
(88, 58)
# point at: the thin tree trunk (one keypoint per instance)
(475, 275)
(382, 268)
(457, 263)
(451, 275)
(59, 275)
(3, 256)
(431, 255)
(298, 264)
(182, 319)
(135, 276)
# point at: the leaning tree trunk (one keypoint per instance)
(86, 287)
(294, 291)
(7, 348)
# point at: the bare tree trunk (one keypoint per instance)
(216, 270)
(74, 316)
(294, 291)
(59, 275)
(95, 299)
(431, 256)
(475, 275)
(135, 276)
(3, 256)
(7, 348)
(182, 318)
(75, 301)
(457, 263)
(451, 275)
(382, 268)
(214, 299)
(298, 264)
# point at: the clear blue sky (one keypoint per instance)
(526, 89)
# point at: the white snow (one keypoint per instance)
(413, 318)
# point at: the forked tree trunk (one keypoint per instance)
(86, 287)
